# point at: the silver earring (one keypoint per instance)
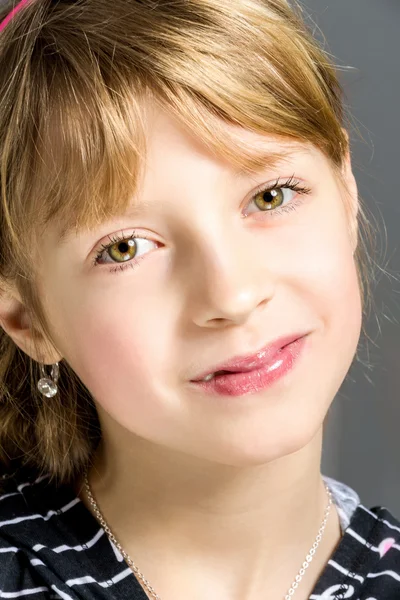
(46, 386)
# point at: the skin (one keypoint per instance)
(233, 485)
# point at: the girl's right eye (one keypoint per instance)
(124, 250)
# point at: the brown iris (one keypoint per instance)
(269, 199)
(123, 251)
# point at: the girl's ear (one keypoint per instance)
(351, 190)
(15, 321)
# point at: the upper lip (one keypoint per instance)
(250, 362)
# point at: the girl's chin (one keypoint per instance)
(249, 456)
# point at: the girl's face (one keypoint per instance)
(210, 268)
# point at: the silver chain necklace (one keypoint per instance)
(146, 583)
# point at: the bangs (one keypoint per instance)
(95, 68)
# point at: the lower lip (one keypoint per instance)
(251, 382)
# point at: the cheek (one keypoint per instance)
(330, 271)
(115, 346)
(327, 278)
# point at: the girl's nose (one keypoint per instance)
(228, 285)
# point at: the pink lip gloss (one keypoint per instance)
(261, 377)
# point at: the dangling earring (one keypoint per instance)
(48, 387)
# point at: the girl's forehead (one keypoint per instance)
(174, 151)
(161, 125)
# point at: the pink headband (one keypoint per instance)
(12, 14)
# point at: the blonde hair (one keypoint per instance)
(75, 77)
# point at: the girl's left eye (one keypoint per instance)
(278, 196)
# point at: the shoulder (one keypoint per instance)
(366, 562)
(30, 509)
(369, 555)
(28, 501)
(51, 546)
(33, 509)
(379, 531)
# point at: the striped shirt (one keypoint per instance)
(52, 547)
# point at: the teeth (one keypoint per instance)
(212, 375)
(209, 377)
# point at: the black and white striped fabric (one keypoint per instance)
(51, 547)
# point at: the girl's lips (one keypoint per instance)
(250, 362)
(266, 369)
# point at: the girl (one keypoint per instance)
(180, 302)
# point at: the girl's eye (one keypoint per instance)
(123, 250)
(271, 199)
(277, 196)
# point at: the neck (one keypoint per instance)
(164, 505)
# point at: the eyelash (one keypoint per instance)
(115, 240)
(291, 184)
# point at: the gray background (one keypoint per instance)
(362, 444)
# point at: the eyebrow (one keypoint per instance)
(264, 160)
(66, 232)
